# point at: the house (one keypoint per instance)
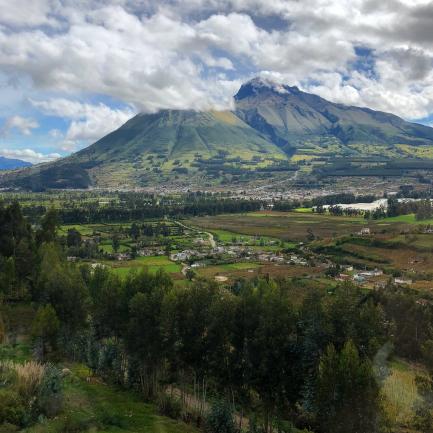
(369, 274)
(121, 256)
(277, 259)
(365, 231)
(359, 278)
(342, 277)
(263, 257)
(185, 255)
(402, 281)
(179, 257)
(97, 265)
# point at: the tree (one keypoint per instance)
(190, 274)
(220, 419)
(73, 238)
(49, 224)
(115, 243)
(347, 393)
(45, 329)
(144, 341)
(61, 284)
(134, 231)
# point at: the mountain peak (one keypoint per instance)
(258, 85)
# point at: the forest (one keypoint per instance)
(248, 357)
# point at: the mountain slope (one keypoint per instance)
(274, 128)
(151, 146)
(11, 164)
(297, 120)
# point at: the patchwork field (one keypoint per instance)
(287, 226)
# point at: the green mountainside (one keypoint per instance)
(273, 128)
(299, 121)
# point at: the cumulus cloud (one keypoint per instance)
(88, 122)
(24, 125)
(151, 54)
(29, 155)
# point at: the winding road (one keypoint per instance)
(211, 239)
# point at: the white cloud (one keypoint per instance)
(28, 155)
(24, 125)
(25, 13)
(153, 54)
(88, 122)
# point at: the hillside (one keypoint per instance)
(304, 123)
(170, 143)
(273, 128)
(11, 164)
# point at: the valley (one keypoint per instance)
(212, 251)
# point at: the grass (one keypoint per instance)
(423, 242)
(400, 392)
(108, 248)
(153, 264)
(408, 219)
(228, 236)
(100, 408)
(304, 210)
(239, 266)
(288, 226)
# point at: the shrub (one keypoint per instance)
(75, 423)
(25, 378)
(8, 428)
(49, 397)
(220, 419)
(12, 409)
(108, 418)
(169, 406)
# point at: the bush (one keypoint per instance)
(25, 378)
(169, 406)
(107, 418)
(49, 397)
(220, 419)
(12, 409)
(75, 423)
(8, 428)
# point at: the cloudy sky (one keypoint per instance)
(73, 70)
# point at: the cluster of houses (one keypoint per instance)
(237, 252)
(358, 277)
(365, 276)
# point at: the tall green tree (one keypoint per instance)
(45, 330)
(347, 393)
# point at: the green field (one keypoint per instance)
(240, 266)
(152, 263)
(408, 219)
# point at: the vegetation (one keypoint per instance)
(258, 354)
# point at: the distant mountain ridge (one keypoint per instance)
(273, 127)
(290, 117)
(11, 164)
